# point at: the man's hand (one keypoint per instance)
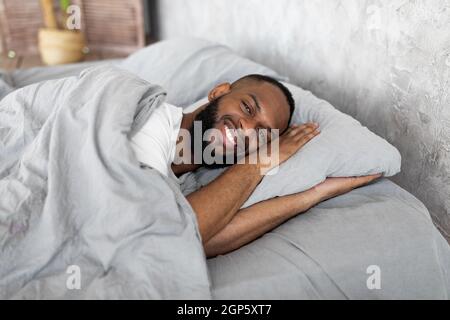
(295, 138)
(333, 187)
(290, 142)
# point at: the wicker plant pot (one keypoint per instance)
(60, 46)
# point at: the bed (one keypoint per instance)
(377, 242)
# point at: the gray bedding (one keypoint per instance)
(73, 194)
(24, 77)
(20, 78)
(135, 237)
(326, 253)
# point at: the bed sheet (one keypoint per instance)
(338, 249)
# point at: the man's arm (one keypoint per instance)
(218, 202)
(250, 223)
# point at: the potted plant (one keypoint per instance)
(58, 44)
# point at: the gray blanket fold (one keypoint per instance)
(72, 194)
(5, 84)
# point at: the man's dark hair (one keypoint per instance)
(279, 85)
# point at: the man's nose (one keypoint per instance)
(250, 137)
(247, 124)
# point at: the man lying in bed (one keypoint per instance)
(237, 110)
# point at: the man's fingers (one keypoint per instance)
(304, 130)
(371, 177)
(307, 130)
(374, 177)
(307, 137)
(294, 130)
(361, 181)
(289, 130)
(308, 126)
(308, 134)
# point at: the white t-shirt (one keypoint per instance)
(155, 143)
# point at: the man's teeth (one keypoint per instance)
(229, 135)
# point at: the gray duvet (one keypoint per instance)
(79, 218)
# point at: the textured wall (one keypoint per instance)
(385, 62)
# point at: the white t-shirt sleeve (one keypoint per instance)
(155, 143)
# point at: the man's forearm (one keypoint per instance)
(250, 223)
(217, 203)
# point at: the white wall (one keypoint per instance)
(386, 62)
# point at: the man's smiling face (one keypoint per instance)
(241, 112)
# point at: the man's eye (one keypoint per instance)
(247, 109)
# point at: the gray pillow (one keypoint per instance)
(344, 148)
(188, 68)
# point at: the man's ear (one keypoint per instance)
(220, 90)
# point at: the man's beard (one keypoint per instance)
(208, 119)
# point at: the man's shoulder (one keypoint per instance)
(166, 113)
